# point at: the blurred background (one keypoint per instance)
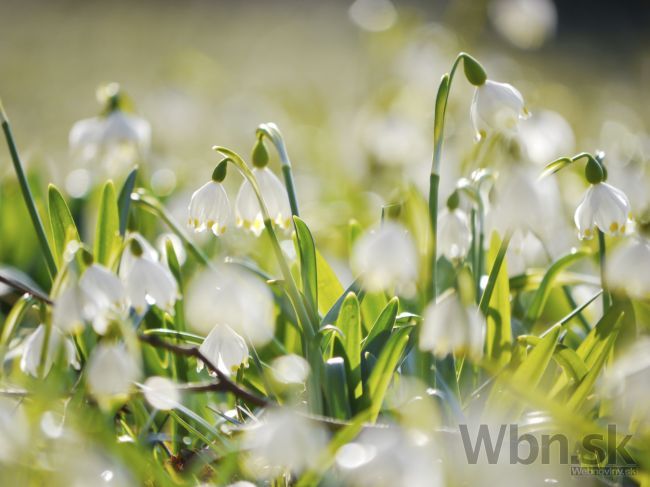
(351, 85)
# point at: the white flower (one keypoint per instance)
(149, 282)
(386, 257)
(161, 393)
(209, 208)
(627, 268)
(225, 349)
(231, 296)
(247, 207)
(496, 107)
(451, 327)
(33, 348)
(129, 258)
(454, 234)
(283, 440)
(111, 372)
(521, 202)
(72, 308)
(290, 369)
(605, 207)
(113, 140)
(392, 456)
(105, 294)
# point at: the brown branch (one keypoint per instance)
(25, 289)
(224, 384)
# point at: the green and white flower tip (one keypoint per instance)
(386, 258)
(111, 373)
(147, 281)
(247, 207)
(58, 346)
(209, 207)
(451, 326)
(231, 296)
(496, 108)
(454, 234)
(603, 206)
(225, 349)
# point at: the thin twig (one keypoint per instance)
(25, 289)
(224, 384)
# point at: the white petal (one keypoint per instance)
(33, 348)
(454, 234)
(149, 280)
(584, 216)
(161, 393)
(225, 349)
(111, 371)
(496, 107)
(210, 208)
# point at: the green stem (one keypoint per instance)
(27, 195)
(272, 131)
(602, 251)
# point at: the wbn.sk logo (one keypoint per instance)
(525, 449)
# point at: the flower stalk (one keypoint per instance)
(27, 195)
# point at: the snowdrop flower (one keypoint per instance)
(149, 282)
(57, 343)
(248, 212)
(283, 440)
(604, 207)
(105, 294)
(111, 372)
(386, 257)
(129, 258)
(209, 207)
(225, 349)
(454, 234)
(627, 268)
(452, 327)
(290, 369)
(231, 296)
(115, 138)
(390, 456)
(496, 108)
(161, 393)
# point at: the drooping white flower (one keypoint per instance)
(231, 296)
(111, 372)
(225, 349)
(210, 208)
(161, 393)
(58, 343)
(247, 208)
(149, 282)
(290, 369)
(496, 108)
(386, 257)
(105, 295)
(283, 440)
(129, 258)
(627, 268)
(392, 456)
(525, 250)
(114, 140)
(604, 207)
(72, 308)
(454, 234)
(451, 327)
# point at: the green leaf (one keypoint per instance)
(382, 372)
(333, 312)
(61, 221)
(329, 287)
(308, 266)
(107, 232)
(529, 373)
(14, 318)
(124, 200)
(381, 329)
(498, 337)
(336, 385)
(566, 357)
(349, 322)
(541, 296)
